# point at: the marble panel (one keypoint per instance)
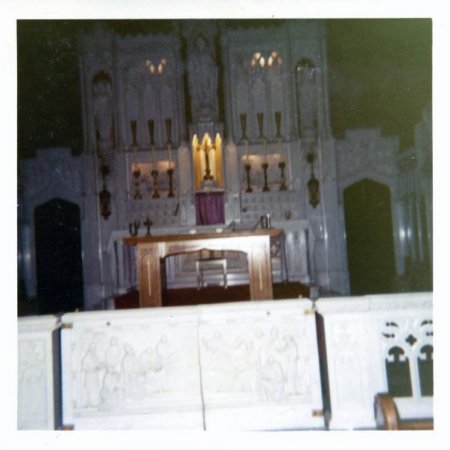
(260, 368)
(360, 333)
(38, 398)
(131, 370)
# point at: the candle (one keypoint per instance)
(265, 150)
(154, 157)
(246, 149)
(170, 156)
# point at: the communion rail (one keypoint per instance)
(261, 365)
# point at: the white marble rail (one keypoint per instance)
(38, 376)
(362, 335)
(234, 366)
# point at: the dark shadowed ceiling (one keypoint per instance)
(379, 76)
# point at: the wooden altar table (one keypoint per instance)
(152, 249)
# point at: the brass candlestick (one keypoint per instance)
(148, 223)
(137, 193)
(265, 166)
(282, 166)
(155, 174)
(170, 173)
(133, 227)
(248, 167)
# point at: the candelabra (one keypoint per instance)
(137, 174)
(170, 173)
(282, 166)
(155, 174)
(248, 167)
(265, 166)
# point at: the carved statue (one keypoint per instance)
(202, 78)
(307, 98)
(103, 110)
(90, 368)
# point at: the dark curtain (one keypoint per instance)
(209, 208)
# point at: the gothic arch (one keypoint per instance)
(59, 271)
(369, 237)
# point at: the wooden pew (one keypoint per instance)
(387, 417)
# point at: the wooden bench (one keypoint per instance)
(387, 417)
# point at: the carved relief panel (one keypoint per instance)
(131, 371)
(258, 367)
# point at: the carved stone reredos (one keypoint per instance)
(202, 69)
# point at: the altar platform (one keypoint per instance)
(213, 294)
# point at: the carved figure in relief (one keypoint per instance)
(245, 376)
(265, 364)
(153, 363)
(111, 385)
(202, 76)
(91, 367)
(132, 375)
(103, 110)
(281, 353)
(272, 379)
(219, 362)
(290, 357)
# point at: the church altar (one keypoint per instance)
(152, 249)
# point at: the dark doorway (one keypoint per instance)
(370, 245)
(59, 268)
